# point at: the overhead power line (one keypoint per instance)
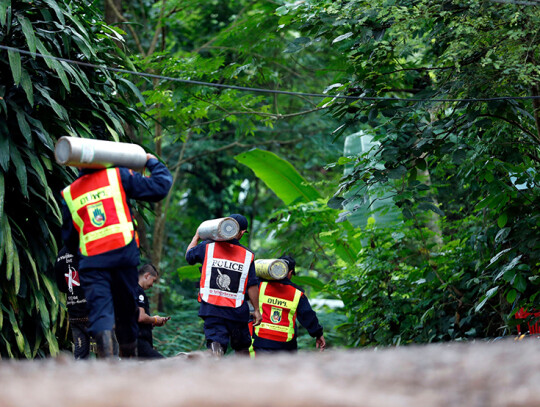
(261, 90)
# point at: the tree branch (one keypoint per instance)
(290, 70)
(513, 123)
(211, 41)
(124, 20)
(158, 30)
(228, 147)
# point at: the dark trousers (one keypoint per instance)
(110, 294)
(145, 350)
(223, 330)
(81, 339)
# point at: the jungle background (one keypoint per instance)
(391, 147)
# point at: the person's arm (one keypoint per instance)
(152, 188)
(193, 243)
(253, 293)
(156, 320)
(308, 319)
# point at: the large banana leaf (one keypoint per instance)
(279, 175)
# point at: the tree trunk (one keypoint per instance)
(112, 10)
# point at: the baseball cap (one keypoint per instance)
(241, 219)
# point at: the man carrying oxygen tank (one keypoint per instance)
(281, 303)
(227, 275)
(98, 224)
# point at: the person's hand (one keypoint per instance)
(160, 321)
(149, 156)
(320, 343)
(257, 317)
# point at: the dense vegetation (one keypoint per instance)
(409, 192)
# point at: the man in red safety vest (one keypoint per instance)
(99, 227)
(281, 303)
(227, 278)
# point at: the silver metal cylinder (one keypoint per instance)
(271, 269)
(91, 153)
(219, 229)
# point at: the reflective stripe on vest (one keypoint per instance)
(277, 303)
(225, 274)
(99, 210)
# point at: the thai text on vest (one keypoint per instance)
(275, 301)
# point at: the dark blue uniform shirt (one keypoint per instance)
(136, 186)
(304, 315)
(145, 330)
(66, 267)
(241, 314)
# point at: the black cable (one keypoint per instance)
(261, 90)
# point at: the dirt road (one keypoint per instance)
(503, 373)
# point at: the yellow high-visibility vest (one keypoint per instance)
(277, 303)
(100, 213)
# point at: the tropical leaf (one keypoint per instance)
(59, 12)
(16, 270)
(24, 126)
(4, 6)
(26, 84)
(4, 148)
(19, 338)
(28, 32)
(49, 286)
(135, 90)
(191, 273)
(7, 345)
(43, 310)
(2, 198)
(20, 169)
(8, 247)
(279, 175)
(58, 109)
(309, 281)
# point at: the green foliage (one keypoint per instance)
(42, 99)
(431, 236)
(184, 331)
(461, 160)
(279, 175)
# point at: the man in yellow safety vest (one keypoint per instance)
(281, 303)
(99, 227)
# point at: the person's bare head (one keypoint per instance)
(148, 275)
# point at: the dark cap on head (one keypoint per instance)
(241, 219)
(290, 262)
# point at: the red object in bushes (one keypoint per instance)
(532, 323)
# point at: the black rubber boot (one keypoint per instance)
(128, 350)
(217, 349)
(104, 345)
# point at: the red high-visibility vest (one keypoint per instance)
(224, 274)
(100, 213)
(277, 304)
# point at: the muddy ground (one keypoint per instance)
(503, 373)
